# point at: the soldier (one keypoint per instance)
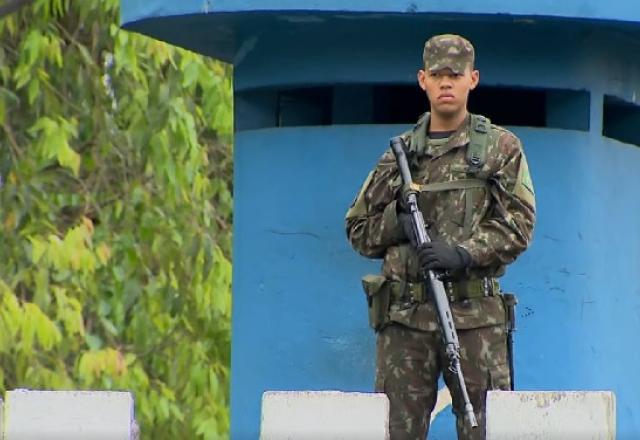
(478, 202)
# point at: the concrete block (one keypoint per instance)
(69, 415)
(324, 415)
(551, 415)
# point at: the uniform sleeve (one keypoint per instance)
(507, 229)
(371, 221)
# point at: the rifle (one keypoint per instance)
(445, 317)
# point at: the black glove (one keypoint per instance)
(407, 227)
(401, 197)
(439, 255)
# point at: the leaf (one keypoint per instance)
(38, 249)
(208, 428)
(88, 366)
(33, 90)
(94, 342)
(27, 331)
(46, 332)
(11, 312)
(53, 141)
(68, 158)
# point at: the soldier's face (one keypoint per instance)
(448, 91)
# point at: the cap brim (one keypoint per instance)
(441, 67)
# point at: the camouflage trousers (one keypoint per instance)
(409, 363)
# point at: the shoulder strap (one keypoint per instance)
(479, 142)
(453, 185)
(418, 134)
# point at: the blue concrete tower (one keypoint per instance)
(320, 87)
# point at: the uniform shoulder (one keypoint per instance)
(506, 140)
(501, 131)
(388, 157)
(406, 136)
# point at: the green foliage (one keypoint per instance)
(115, 213)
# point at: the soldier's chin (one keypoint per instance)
(447, 110)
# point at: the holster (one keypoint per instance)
(378, 294)
(510, 302)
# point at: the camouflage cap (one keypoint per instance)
(448, 50)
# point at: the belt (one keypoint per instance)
(404, 291)
(468, 289)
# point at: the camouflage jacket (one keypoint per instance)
(502, 213)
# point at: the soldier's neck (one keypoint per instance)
(444, 123)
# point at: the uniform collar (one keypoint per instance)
(419, 140)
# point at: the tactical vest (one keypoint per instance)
(476, 157)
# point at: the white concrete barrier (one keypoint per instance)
(551, 415)
(68, 415)
(324, 415)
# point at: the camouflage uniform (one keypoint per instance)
(494, 224)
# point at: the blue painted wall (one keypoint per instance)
(578, 285)
(300, 314)
(299, 319)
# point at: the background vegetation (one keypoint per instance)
(115, 213)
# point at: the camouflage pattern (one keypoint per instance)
(448, 51)
(408, 364)
(469, 314)
(503, 217)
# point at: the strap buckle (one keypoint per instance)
(448, 287)
(408, 294)
(481, 287)
(481, 124)
(474, 160)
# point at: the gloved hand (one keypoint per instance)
(401, 197)
(407, 227)
(439, 255)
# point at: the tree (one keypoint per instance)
(115, 211)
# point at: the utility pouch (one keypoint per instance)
(378, 298)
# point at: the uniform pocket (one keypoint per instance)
(378, 294)
(498, 359)
(499, 377)
(478, 313)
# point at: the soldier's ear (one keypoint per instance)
(422, 77)
(475, 78)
